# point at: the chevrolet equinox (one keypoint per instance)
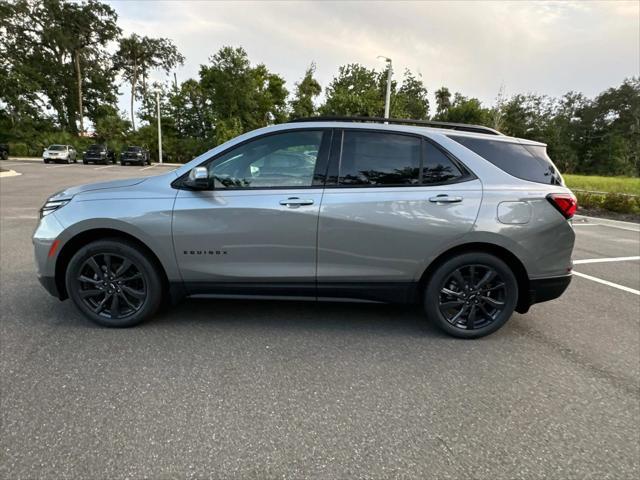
(465, 221)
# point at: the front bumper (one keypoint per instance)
(49, 284)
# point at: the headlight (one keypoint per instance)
(139, 154)
(52, 206)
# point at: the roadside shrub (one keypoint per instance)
(614, 202)
(18, 150)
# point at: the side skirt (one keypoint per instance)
(382, 292)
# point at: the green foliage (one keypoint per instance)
(630, 185)
(411, 99)
(302, 105)
(356, 91)
(53, 57)
(240, 97)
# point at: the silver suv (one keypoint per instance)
(469, 223)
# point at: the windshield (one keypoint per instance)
(96, 147)
(134, 149)
(57, 147)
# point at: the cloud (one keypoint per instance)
(471, 47)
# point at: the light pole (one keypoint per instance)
(387, 100)
(159, 129)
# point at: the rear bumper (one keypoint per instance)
(545, 289)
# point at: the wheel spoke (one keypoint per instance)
(471, 318)
(447, 291)
(133, 292)
(107, 262)
(84, 278)
(101, 305)
(472, 274)
(94, 265)
(453, 304)
(127, 301)
(493, 302)
(453, 320)
(90, 293)
(490, 275)
(499, 285)
(135, 276)
(114, 309)
(123, 268)
(459, 279)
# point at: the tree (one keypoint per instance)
(137, 56)
(240, 97)
(465, 110)
(356, 91)
(443, 101)
(411, 99)
(306, 91)
(53, 55)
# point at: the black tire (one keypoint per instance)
(84, 162)
(92, 278)
(461, 305)
(46, 161)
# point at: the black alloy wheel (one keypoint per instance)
(471, 295)
(114, 283)
(112, 286)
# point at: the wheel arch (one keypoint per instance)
(72, 245)
(514, 263)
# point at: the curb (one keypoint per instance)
(608, 222)
(10, 173)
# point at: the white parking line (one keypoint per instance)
(60, 166)
(147, 168)
(102, 168)
(603, 260)
(605, 282)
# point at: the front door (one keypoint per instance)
(255, 231)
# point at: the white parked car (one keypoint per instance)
(56, 153)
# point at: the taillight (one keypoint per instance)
(565, 203)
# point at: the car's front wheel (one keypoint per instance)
(114, 283)
(471, 295)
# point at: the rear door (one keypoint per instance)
(255, 231)
(393, 201)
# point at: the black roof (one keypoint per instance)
(463, 127)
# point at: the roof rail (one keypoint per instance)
(463, 127)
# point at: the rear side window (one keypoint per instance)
(373, 158)
(527, 162)
(438, 167)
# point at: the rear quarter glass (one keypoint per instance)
(528, 162)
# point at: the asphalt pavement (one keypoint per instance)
(267, 389)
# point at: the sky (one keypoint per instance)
(471, 47)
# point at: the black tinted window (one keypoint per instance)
(438, 167)
(276, 161)
(525, 162)
(372, 158)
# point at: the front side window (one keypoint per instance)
(281, 160)
(375, 158)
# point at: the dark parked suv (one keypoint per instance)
(99, 154)
(137, 155)
(4, 151)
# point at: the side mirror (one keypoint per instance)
(198, 179)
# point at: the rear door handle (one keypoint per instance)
(444, 198)
(295, 202)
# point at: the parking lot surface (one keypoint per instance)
(239, 389)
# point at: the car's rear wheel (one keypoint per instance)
(471, 295)
(114, 283)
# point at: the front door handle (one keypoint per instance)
(295, 202)
(444, 198)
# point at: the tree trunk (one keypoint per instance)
(79, 82)
(134, 80)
